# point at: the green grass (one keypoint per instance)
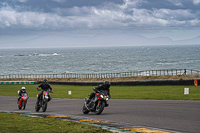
(12, 123)
(117, 92)
(157, 92)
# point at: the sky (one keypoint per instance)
(51, 23)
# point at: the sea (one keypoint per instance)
(84, 60)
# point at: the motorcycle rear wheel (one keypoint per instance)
(100, 107)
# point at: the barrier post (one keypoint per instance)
(186, 91)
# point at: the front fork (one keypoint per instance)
(86, 106)
(99, 102)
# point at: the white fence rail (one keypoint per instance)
(105, 75)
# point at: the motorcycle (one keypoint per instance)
(43, 100)
(96, 104)
(23, 101)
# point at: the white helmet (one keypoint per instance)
(23, 89)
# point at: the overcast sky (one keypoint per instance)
(28, 19)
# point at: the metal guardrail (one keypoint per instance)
(105, 75)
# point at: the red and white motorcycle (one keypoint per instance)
(22, 101)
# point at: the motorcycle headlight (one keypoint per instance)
(106, 99)
(101, 96)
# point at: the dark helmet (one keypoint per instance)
(45, 80)
(106, 82)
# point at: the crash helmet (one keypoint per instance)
(106, 82)
(23, 89)
(45, 80)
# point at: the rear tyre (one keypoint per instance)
(85, 110)
(100, 107)
(37, 107)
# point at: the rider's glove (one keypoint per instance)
(38, 88)
(51, 91)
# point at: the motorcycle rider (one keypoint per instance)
(105, 86)
(44, 86)
(23, 90)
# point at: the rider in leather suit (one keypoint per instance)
(105, 86)
(23, 90)
(44, 86)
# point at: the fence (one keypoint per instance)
(105, 75)
(18, 82)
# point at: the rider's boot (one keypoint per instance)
(88, 101)
(49, 99)
(38, 99)
(18, 100)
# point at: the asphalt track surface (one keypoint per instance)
(174, 115)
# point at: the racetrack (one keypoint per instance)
(175, 115)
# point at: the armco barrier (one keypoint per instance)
(18, 82)
(135, 83)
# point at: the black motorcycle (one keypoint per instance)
(43, 100)
(96, 104)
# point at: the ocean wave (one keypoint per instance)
(25, 68)
(44, 55)
(55, 54)
(37, 54)
(166, 63)
(49, 54)
(87, 60)
(68, 72)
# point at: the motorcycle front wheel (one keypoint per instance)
(44, 107)
(99, 108)
(85, 110)
(37, 107)
(23, 104)
(19, 107)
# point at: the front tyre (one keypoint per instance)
(99, 108)
(19, 107)
(23, 104)
(85, 110)
(44, 107)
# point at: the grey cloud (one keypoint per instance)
(196, 2)
(90, 14)
(48, 5)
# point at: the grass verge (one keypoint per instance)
(12, 123)
(117, 92)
